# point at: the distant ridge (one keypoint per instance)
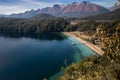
(75, 9)
(115, 7)
(42, 16)
(114, 15)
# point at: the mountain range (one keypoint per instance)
(42, 17)
(75, 9)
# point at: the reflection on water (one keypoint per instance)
(41, 36)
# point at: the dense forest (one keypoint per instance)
(106, 16)
(42, 17)
(32, 25)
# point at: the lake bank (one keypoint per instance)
(93, 47)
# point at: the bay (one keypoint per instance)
(37, 56)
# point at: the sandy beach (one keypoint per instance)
(95, 48)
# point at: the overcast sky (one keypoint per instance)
(18, 6)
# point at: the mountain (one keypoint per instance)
(75, 9)
(42, 16)
(2, 15)
(114, 15)
(26, 14)
(84, 8)
(117, 6)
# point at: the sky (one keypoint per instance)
(20, 6)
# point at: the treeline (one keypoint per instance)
(42, 17)
(107, 16)
(91, 26)
(88, 27)
(33, 26)
(48, 25)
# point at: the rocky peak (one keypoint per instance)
(117, 6)
(86, 2)
(75, 3)
(56, 6)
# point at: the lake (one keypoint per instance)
(37, 56)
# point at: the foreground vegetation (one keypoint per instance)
(106, 67)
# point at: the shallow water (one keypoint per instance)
(37, 56)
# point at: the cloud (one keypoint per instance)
(11, 9)
(22, 6)
(40, 4)
(107, 3)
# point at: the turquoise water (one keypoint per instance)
(80, 51)
(37, 56)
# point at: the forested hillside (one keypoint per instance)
(47, 25)
(106, 67)
(32, 25)
(42, 17)
(107, 16)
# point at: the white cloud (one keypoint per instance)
(37, 3)
(23, 6)
(107, 3)
(10, 9)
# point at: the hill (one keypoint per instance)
(105, 67)
(117, 6)
(114, 15)
(42, 17)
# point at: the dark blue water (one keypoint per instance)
(37, 56)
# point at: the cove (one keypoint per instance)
(37, 56)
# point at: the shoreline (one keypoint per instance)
(93, 47)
